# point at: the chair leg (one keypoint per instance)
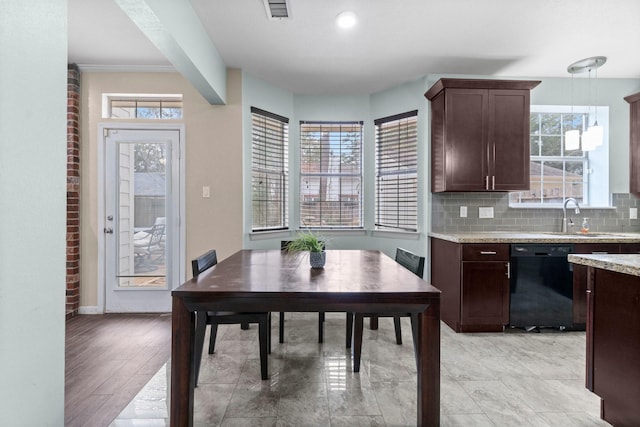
(212, 340)
(281, 331)
(263, 337)
(268, 332)
(349, 334)
(201, 326)
(357, 341)
(373, 322)
(398, 328)
(320, 327)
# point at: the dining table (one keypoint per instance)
(352, 281)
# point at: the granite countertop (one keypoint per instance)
(621, 263)
(537, 237)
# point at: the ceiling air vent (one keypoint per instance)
(276, 9)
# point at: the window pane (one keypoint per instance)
(396, 172)
(535, 145)
(551, 145)
(148, 110)
(123, 109)
(550, 124)
(269, 167)
(330, 174)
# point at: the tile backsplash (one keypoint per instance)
(445, 214)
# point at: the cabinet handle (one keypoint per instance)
(488, 252)
(493, 182)
(600, 253)
(508, 265)
(486, 182)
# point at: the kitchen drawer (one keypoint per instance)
(485, 252)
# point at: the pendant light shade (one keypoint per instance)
(572, 140)
(594, 135)
(590, 139)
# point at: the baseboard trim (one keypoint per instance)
(89, 309)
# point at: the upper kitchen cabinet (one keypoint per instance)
(480, 134)
(634, 144)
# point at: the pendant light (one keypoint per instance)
(572, 137)
(594, 135)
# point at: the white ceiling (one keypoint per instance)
(396, 40)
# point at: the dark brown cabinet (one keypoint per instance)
(613, 345)
(480, 134)
(474, 280)
(580, 275)
(634, 144)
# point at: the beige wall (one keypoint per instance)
(213, 158)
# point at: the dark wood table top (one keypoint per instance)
(273, 273)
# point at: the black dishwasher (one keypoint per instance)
(541, 286)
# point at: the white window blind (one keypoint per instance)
(331, 174)
(269, 167)
(397, 171)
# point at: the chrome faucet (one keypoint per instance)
(564, 212)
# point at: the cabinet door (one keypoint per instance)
(634, 145)
(485, 294)
(466, 120)
(580, 279)
(509, 146)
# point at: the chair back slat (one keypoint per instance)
(410, 261)
(204, 262)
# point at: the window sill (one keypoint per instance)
(396, 234)
(265, 235)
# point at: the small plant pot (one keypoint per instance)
(317, 259)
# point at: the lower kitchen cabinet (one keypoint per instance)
(474, 281)
(580, 275)
(613, 345)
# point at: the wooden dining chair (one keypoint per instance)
(284, 245)
(411, 262)
(215, 318)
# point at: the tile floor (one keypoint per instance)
(510, 379)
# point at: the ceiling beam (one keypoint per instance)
(174, 27)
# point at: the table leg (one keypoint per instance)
(182, 374)
(428, 354)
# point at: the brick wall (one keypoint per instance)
(73, 190)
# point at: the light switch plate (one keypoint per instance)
(463, 211)
(206, 192)
(633, 213)
(485, 212)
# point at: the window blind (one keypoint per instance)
(269, 167)
(397, 171)
(331, 174)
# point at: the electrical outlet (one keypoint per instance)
(206, 192)
(463, 211)
(485, 212)
(633, 213)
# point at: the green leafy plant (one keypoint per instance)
(306, 241)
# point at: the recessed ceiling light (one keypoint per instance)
(346, 19)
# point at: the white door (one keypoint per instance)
(141, 217)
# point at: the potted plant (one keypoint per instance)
(308, 241)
